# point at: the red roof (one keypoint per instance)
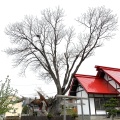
(95, 85)
(114, 73)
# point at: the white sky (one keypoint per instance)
(14, 10)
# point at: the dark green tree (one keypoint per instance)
(110, 107)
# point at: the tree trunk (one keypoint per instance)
(56, 108)
(112, 117)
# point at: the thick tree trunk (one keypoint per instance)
(56, 108)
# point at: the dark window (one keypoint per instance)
(99, 103)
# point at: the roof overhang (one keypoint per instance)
(92, 85)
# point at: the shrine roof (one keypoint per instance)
(95, 85)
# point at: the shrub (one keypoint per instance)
(49, 116)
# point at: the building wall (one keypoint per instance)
(112, 82)
(92, 106)
(89, 104)
(85, 106)
(89, 107)
(17, 111)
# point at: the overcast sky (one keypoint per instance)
(14, 10)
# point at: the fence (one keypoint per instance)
(12, 118)
(45, 118)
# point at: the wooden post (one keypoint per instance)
(64, 118)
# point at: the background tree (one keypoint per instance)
(6, 95)
(54, 50)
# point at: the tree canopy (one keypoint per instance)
(53, 49)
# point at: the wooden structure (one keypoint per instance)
(97, 89)
(36, 105)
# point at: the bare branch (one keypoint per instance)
(54, 51)
(99, 24)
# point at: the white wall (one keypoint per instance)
(86, 109)
(84, 94)
(84, 101)
(100, 112)
(18, 107)
(111, 81)
(92, 106)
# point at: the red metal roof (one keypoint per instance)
(114, 73)
(95, 85)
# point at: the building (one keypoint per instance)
(96, 90)
(17, 108)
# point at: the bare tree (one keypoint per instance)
(55, 51)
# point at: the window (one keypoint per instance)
(99, 103)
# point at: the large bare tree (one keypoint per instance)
(54, 50)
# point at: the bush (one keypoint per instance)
(110, 107)
(25, 109)
(49, 116)
(74, 115)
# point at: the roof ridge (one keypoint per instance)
(107, 68)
